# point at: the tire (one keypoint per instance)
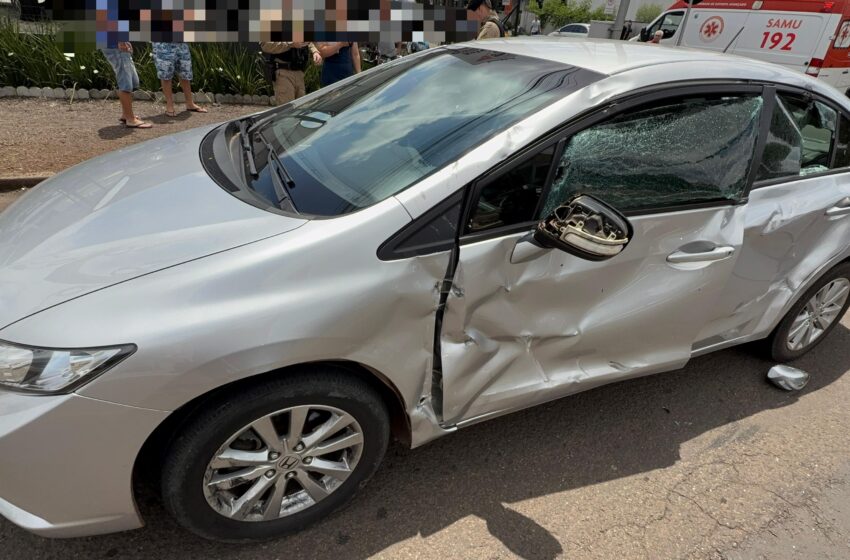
(778, 345)
(209, 510)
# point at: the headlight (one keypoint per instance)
(50, 370)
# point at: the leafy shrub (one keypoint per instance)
(557, 13)
(648, 12)
(36, 59)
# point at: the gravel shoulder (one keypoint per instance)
(42, 136)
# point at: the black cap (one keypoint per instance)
(473, 5)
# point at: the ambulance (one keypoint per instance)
(810, 36)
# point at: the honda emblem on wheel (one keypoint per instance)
(289, 462)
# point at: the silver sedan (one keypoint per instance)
(475, 229)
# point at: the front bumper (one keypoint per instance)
(66, 463)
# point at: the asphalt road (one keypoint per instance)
(707, 462)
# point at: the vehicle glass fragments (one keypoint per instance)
(359, 144)
(674, 153)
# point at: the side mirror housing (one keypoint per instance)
(644, 35)
(585, 227)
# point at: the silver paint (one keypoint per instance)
(140, 246)
(787, 377)
(528, 332)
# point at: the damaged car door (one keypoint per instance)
(525, 323)
(797, 218)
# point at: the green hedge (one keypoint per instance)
(36, 59)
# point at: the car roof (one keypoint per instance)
(607, 56)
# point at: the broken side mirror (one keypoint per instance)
(585, 227)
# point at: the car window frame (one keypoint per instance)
(616, 106)
(660, 21)
(841, 113)
(558, 137)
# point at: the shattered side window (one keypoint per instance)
(678, 152)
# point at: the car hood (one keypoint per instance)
(117, 217)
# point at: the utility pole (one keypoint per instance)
(620, 19)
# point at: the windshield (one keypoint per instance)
(389, 128)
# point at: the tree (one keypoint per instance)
(558, 13)
(648, 12)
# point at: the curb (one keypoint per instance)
(11, 184)
(72, 95)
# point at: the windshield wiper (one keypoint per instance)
(247, 148)
(282, 180)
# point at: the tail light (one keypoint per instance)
(827, 7)
(815, 65)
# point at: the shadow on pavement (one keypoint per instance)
(114, 132)
(636, 426)
(163, 118)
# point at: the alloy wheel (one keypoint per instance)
(818, 314)
(283, 463)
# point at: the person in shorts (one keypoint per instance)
(121, 60)
(170, 59)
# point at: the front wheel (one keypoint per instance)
(275, 458)
(813, 316)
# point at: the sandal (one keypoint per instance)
(142, 124)
(197, 110)
(171, 114)
(124, 121)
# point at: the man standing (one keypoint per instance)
(288, 61)
(121, 60)
(535, 26)
(482, 10)
(627, 31)
(171, 58)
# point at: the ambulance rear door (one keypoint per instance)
(836, 64)
(791, 39)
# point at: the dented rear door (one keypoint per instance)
(523, 325)
(797, 220)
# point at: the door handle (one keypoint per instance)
(841, 208)
(716, 254)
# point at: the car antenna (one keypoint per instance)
(733, 40)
